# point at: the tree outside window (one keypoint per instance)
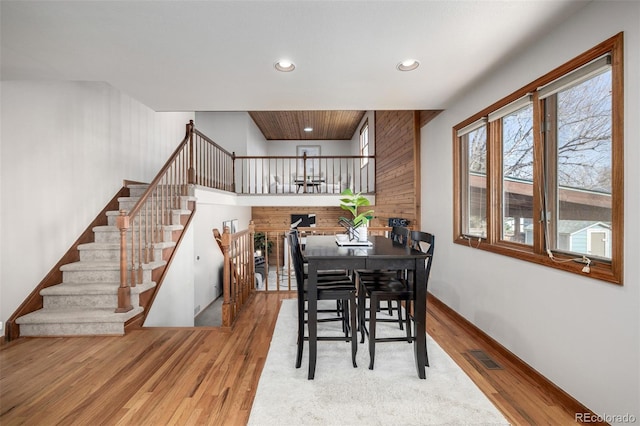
(539, 175)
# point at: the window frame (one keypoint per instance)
(537, 253)
(364, 160)
(463, 152)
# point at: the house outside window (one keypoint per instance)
(545, 173)
(578, 143)
(473, 197)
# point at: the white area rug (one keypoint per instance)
(391, 394)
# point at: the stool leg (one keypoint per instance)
(372, 329)
(345, 316)
(354, 333)
(362, 310)
(407, 305)
(300, 332)
(399, 302)
(426, 358)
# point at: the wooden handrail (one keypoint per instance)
(238, 276)
(154, 183)
(205, 137)
(196, 160)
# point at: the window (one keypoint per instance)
(539, 174)
(515, 125)
(364, 144)
(473, 154)
(578, 152)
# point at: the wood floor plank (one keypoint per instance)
(209, 376)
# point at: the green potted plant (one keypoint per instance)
(352, 202)
(260, 243)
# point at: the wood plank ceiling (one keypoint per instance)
(289, 125)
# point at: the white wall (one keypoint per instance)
(174, 302)
(66, 149)
(277, 148)
(213, 208)
(580, 333)
(256, 143)
(234, 131)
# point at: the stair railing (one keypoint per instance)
(144, 228)
(238, 275)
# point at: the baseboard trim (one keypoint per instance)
(555, 392)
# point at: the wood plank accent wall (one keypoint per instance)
(397, 177)
(398, 166)
(280, 217)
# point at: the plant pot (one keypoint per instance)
(363, 233)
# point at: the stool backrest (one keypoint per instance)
(298, 260)
(424, 242)
(399, 235)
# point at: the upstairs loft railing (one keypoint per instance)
(304, 175)
(145, 229)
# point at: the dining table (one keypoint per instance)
(326, 252)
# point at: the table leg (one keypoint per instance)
(312, 296)
(419, 317)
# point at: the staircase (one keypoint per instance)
(84, 302)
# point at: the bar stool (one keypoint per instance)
(387, 287)
(341, 288)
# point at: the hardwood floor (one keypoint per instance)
(209, 376)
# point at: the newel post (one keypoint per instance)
(252, 259)
(124, 291)
(227, 320)
(191, 172)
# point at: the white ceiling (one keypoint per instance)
(219, 55)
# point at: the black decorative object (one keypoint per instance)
(398, 221)
(303, 220)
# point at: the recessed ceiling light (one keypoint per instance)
(284, 65)
(408, 65)
(308, 129)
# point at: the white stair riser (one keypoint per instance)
(113, 236)
(86, 300)
(139, 190)
(169, 204)
(72, 329)
(112, 255)
(128, 203)
(174, 219)
(98, 276)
